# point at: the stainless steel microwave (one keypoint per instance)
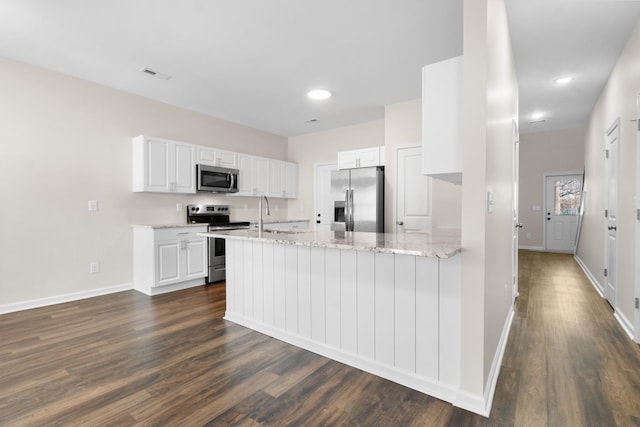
(217, 179)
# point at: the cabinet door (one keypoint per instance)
(184, 173)
(168, 262)
(226, 159)
(290, 180)
(156, 154)
(347, 159)
(196, 257)
(245, 175)
(276, 178)
(206, 156)
(369, 157)
(260, 176)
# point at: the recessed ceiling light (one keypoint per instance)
(564, 80)
(155, 73)
(319, 94)
(537, 115)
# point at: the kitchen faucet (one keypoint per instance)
(260, 221)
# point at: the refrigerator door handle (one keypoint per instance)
(347, 214)
(351, 219)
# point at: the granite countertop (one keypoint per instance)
(279, 221)
(157, 226)
(436, 244)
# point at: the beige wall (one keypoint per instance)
(323, 147)
(490, 103)
(67, 141)
(403, 126)
(541, 153)
(618, 100)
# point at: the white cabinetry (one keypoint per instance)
(283, 179)
(253, 175)
(168, 259)
(216, 157)
(441, 120)
(164, 166)
(363, 158)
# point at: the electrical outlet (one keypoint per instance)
(94, 267)
(246, 207)
(93, 205)
(178, 207)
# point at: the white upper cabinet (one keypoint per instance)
(162, 165)
(215, 157)
(362, 158)
(253, 176)
(283, 179)
(442, 120)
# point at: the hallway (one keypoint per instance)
(567, 362)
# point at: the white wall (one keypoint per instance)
(320, 147)
(618, 100)
(66, 141)
(544, 153)
(490, 102)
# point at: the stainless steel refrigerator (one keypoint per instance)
(358, 196)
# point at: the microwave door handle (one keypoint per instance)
(233, 181)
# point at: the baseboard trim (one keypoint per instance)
(58, 299)
(429, 386)
(482, 404)
(627, 326)
(594, 282)
(532, 248)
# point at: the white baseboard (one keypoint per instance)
(532, 248)
(482, 404)
(429, 386)
(627, 326)
(594, 282)
(58, 299)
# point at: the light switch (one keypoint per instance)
(490, 202)
(537, 208)
(93, 205)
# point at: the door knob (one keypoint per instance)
(400, 222)
(612, 227)
(519, 225)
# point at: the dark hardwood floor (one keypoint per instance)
(128, 359)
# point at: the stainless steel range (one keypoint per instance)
(217, 216)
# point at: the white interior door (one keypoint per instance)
(515, 203)
(611, 212)
(413, 191)
(323, 203)
(562, 203)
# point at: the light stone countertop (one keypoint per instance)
(435, 244)
(158, 226)
(279, 221)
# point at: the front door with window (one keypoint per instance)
(562, 202)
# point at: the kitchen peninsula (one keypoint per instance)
(388, 304)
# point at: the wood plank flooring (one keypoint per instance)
(171, 360)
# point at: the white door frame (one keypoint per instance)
(396, 149)
(614, 127)
(315, 189)
(544, 200)
(515, 196)
(637, 230)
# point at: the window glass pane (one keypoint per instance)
(567, 197)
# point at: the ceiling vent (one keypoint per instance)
(156, 74)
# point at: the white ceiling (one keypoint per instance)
(252, 61)
(556, 38)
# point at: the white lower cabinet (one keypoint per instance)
(168, 259)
